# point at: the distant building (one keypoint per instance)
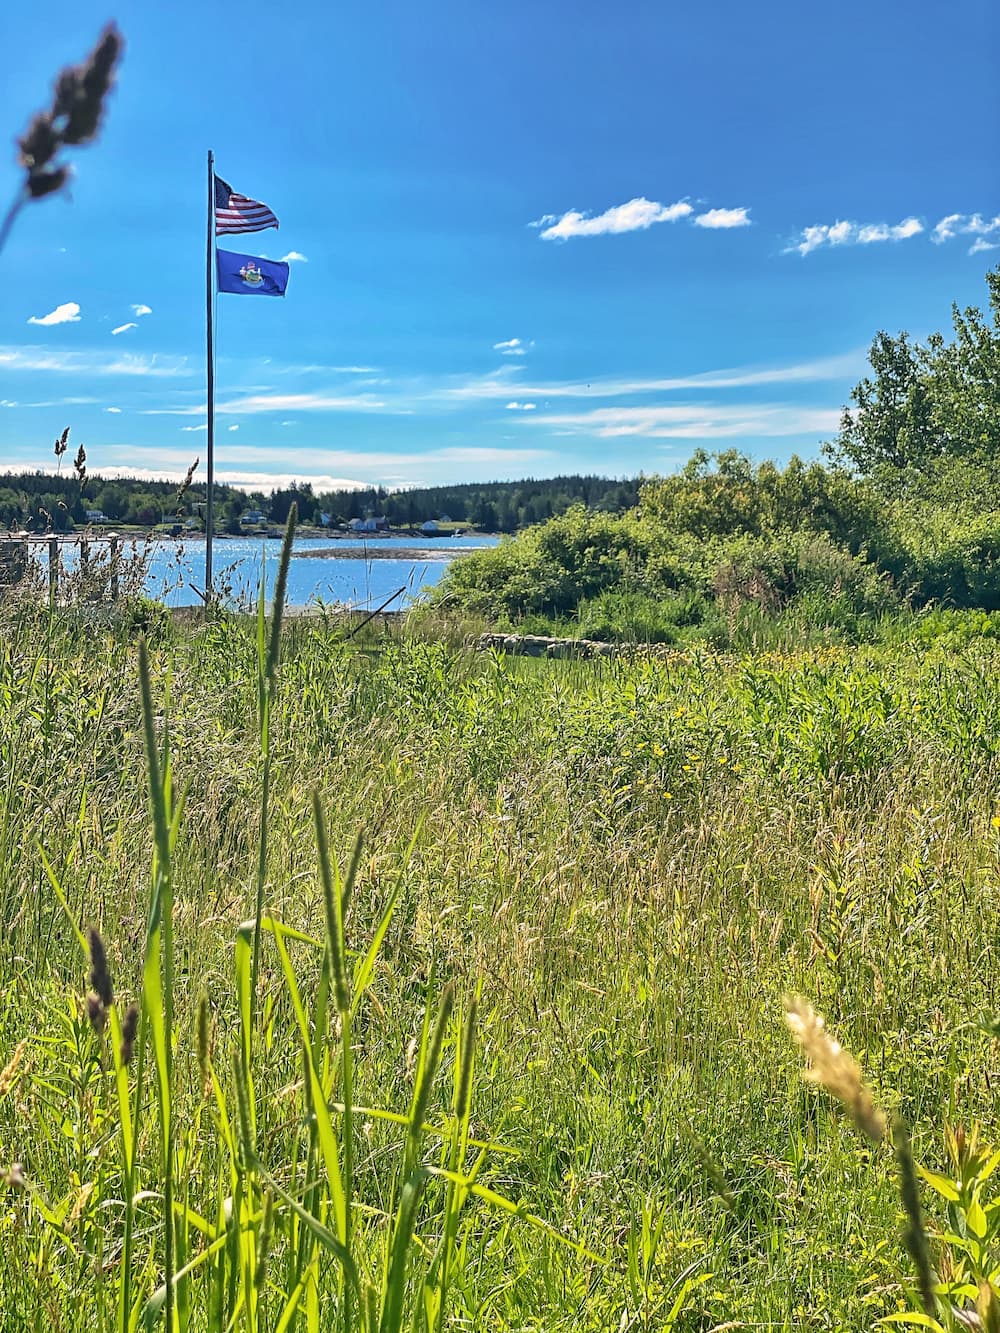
(380, 524)
(252, 518)
(325, 519)
(96, 516)
(430, 528)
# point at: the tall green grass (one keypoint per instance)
(515, 1057)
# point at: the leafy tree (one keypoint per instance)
(891, 428)
(927, 420)
(282, 501)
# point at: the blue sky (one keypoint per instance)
(536, 238)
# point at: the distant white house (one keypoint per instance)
(429, 528)
(325, 519)
(251, 518)
(96, 516)
(380, 524)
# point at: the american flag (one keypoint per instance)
(235, 212)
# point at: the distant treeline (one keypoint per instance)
(496, 506)
(43, 500)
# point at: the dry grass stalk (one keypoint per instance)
(834, 1068)
(204, 1044)
(8, 1074)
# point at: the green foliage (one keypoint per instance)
(699, 566)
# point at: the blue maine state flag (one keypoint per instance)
(247, 275)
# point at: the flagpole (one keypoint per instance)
(210, 374)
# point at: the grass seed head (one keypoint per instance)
(130, 1027)
(74, 117)
(100, 977)
(833, 1068)
(14, 1177)
(96, 1014)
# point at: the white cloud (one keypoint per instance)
(962, 224)
(293, 257)
(636, 215)
(853, 233)
(512, 347)
(723, 218)
(139, 310)
(521, 407)
(288, 423)
(700, 421)
(115, 410)
(234, 427)
(123, 327)
(63, 314)
(203, 426)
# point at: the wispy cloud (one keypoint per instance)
(139, 310)
(252, 404)
(89, 363)
(203, 426)
(723, 218)
(115, 410)
(521, 407)
(699, 421)
(63, 314)
(255, 467)
(74, 401)
(968, 224)
(315, 369)
(852, 233)
(636, 215)
(300, 402)
(294, 257)
(512, 347)
(234, 427)
(741, 377)
(123, 328)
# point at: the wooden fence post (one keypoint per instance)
(114, 569)
(53, 569)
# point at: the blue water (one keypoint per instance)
(176, 572)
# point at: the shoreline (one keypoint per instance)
(357, 540)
